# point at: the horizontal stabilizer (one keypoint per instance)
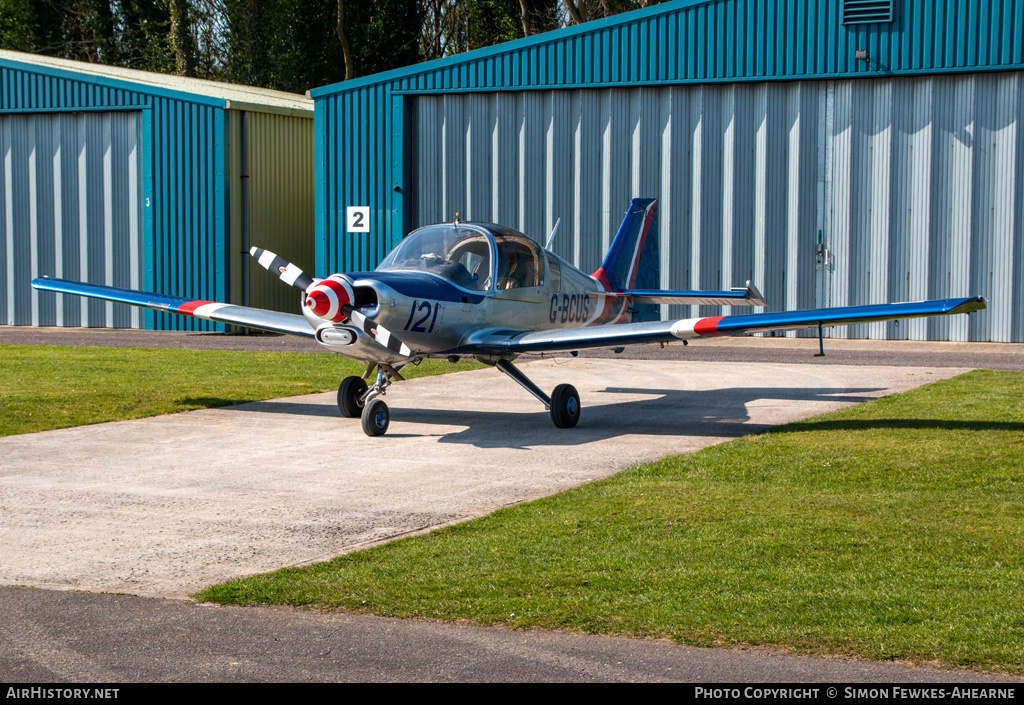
(276, 321)
(737, 296)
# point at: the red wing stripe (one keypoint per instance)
(707, 326)
(190, 307)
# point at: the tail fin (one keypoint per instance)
(618, 272)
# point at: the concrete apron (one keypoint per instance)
(165, 506)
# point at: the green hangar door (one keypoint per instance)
(71, 206)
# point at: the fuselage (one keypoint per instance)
(447, 284)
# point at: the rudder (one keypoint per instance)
(619, 269)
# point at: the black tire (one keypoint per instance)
(565, 406)
(350, 393)
(376, 418)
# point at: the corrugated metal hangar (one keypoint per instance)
(835, 152)
(141, 180)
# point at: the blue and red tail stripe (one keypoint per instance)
(618, 271)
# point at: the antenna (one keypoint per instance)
(551, 237)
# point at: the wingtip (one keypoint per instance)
(975, 303)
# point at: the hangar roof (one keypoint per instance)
(230, 96)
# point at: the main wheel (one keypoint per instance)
(565, 406)
(376, 418)
(350, 395)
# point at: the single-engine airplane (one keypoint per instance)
(484, 290)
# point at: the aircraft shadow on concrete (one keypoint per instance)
(664, 412)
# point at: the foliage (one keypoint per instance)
(599, 9)
(71, 29)
(292, 45)
(385, 34)
(18, 26)
(142, 32)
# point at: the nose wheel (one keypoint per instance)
(376, 418)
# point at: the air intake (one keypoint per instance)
(863, 11)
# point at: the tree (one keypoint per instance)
(132, 33)
(443, 32)
(295, 45)
(580, 11)
(19, 26)
(454, 26)
(68, 29)
(384, 34)
(346, 50)
(142, 28)
(574, 11)
(182, 41)
(538, 16)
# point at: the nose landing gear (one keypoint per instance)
(357, 399)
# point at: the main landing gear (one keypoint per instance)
(356, 398)
(564, 402)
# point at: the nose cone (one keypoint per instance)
(327, 297)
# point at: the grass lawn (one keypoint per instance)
(889, 530)
(44, 387)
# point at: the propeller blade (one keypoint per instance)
(378, 332)
(330, 299)
(282, 269)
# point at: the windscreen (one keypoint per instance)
(460, 254)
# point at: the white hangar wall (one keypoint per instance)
(913, 186)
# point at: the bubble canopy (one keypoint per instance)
(467, 255)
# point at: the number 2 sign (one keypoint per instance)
(358, 219)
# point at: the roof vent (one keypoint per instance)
(863, 11)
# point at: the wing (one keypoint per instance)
(290, 323)
(503, 341)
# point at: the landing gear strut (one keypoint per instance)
(564, 402)
(357, 399)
